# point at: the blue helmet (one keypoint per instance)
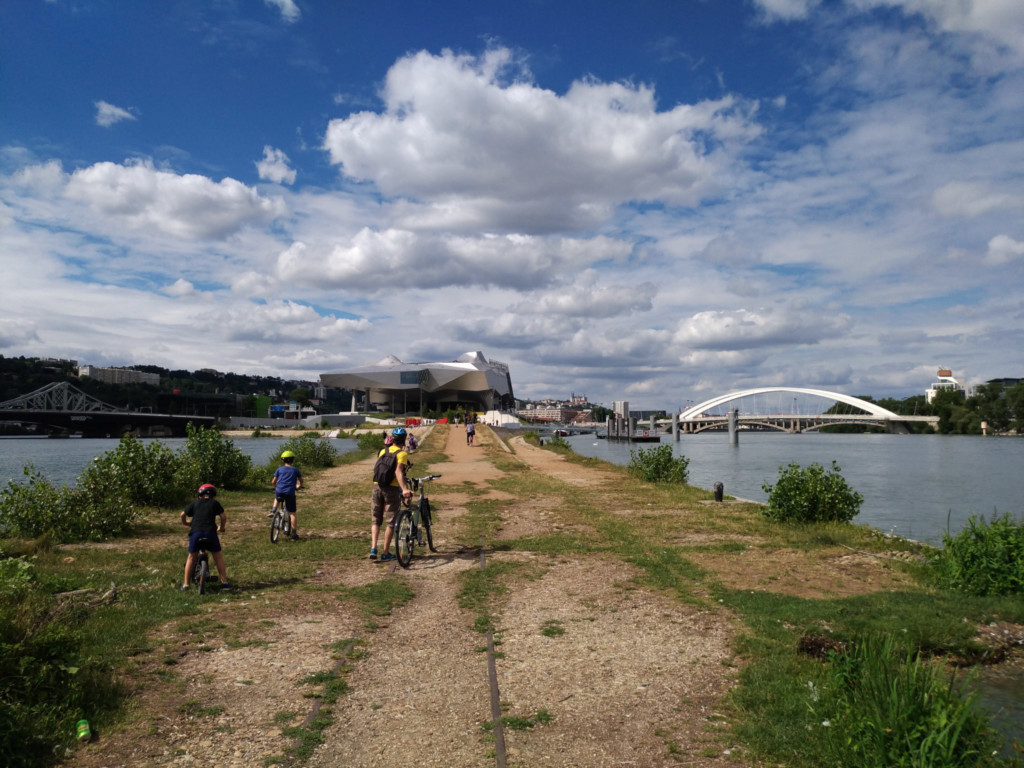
(398, 432)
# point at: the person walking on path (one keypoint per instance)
(201, 518)
(470, 431)
(390, 489)
(287, 480)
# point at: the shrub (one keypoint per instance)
(371, 441)
(210, 457)
(311, 451)
(658, 465)
(69, 514)
(136, 472)
(559, 442)
(883, 705)
(811, 495)
(985, 558)
(46, 680)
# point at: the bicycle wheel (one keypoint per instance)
(204, 574)
(275, 527)
(403, 538)
(425, 522)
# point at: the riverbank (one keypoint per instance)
(632, 623)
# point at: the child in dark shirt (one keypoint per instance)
(201, 518)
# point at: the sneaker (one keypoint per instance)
(386, 556)
(373, 553)
(293, 536)
(185, 588)
(226, 585)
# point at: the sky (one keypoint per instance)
(653, 201)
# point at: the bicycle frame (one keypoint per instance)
(409, 535)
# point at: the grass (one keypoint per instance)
(771, 709)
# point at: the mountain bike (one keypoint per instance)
(279, 521)
(414, 522)
(201, 569)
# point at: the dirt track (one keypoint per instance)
(634, 678)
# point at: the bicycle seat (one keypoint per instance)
(202, 543)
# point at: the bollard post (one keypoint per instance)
(734, 427)
(719, 491)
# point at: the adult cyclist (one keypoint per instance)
(389, 496)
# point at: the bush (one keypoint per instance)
(559, 442)
(811, 495)
(136, 472)
(985, 558)
(311, 451)
(210, 457)
(371, 441)
(69, 514)
(882, 705)
(658, 465)
(46, 681)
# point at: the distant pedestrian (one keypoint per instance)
(470, 432)
(287, 480)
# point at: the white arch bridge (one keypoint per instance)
(792, 409)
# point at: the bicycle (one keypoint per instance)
(279, 521)
(201, 569)
(413, 522)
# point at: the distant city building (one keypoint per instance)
(471, 381)
(119, 375)
(945, 382)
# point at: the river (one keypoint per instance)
(913, 485)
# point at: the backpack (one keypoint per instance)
(385, 468)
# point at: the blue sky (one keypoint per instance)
(651, 201)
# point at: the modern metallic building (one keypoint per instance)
(472, 381)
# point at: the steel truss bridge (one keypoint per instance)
(792, 409)
(61, 409)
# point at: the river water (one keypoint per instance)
(913, 485)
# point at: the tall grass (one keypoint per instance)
(882, 704)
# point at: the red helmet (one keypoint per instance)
(207, 490)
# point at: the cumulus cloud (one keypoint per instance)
(289, 10)
(180, 287)
(1003, 249)
(287, 321)
(186, 206)
(1002, 20)
(519, 262)
(743, 329)
(107, 114)
(590, 302)
(475, 135)
(275, 167)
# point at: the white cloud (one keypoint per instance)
(786, 10)
(107, 114)
(289, 10)
(970, 199)
(519, 262)
(743, 329)
(275, 167)
(15, 332)
(180, 287)
(477, 142)
(1003, 249)
(187, 206)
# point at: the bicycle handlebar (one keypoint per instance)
(425, 479)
